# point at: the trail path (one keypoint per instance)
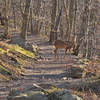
(48, 69)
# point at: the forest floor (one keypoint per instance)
(47, 70)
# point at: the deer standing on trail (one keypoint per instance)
(67, 45)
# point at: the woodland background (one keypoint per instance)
(28, 24)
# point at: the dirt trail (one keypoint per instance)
(48, 69)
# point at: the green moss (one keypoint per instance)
(23, 51)
(2, 51)
(16, 57)
(53, 89)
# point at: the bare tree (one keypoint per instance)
(53, 17)
(67, 21)
(25, 20)
(91, 29)
(5, 14)
(71, 15)
(14, 14)
(37, 23)
(83, 30)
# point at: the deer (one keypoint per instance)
(67, 45)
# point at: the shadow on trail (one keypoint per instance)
(44, 68)
(48, 76)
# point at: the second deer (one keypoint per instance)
(67, 45)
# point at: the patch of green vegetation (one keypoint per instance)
(12, 60)
(23, 51)
(51, 90)
(2, 51)
(20, 60)
(84, 60)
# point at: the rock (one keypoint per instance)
(30, 95)
(90, 74)
(74, 72)
(70, 97)
(59, 94)
(77, 72)
(28, 46)
(63, 95)
(75, 97)
(31, 47)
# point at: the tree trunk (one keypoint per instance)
(75, 17)
(36, 13)
(25, 20)
(82, 36)
(61, 29)
(67, 21)
(85, 26)
(13, 11)
(71, 15)
(57, 24)
(31, 19)
(5, 12)
(53, 17)
(61, 32)
(92, 20)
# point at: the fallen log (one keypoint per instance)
(82, 84)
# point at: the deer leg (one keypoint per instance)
(70, 53)
(55, 52)
(65, 52)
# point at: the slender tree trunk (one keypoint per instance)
(53, 17)
(36, 13)
(92, 20)
(5, 12)
(14, 14)
(71, 15)
(61, 33)
(31, 20)
(67, 21)
(25, 20)
(61, 29)
(75, 16)
(57, 24)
